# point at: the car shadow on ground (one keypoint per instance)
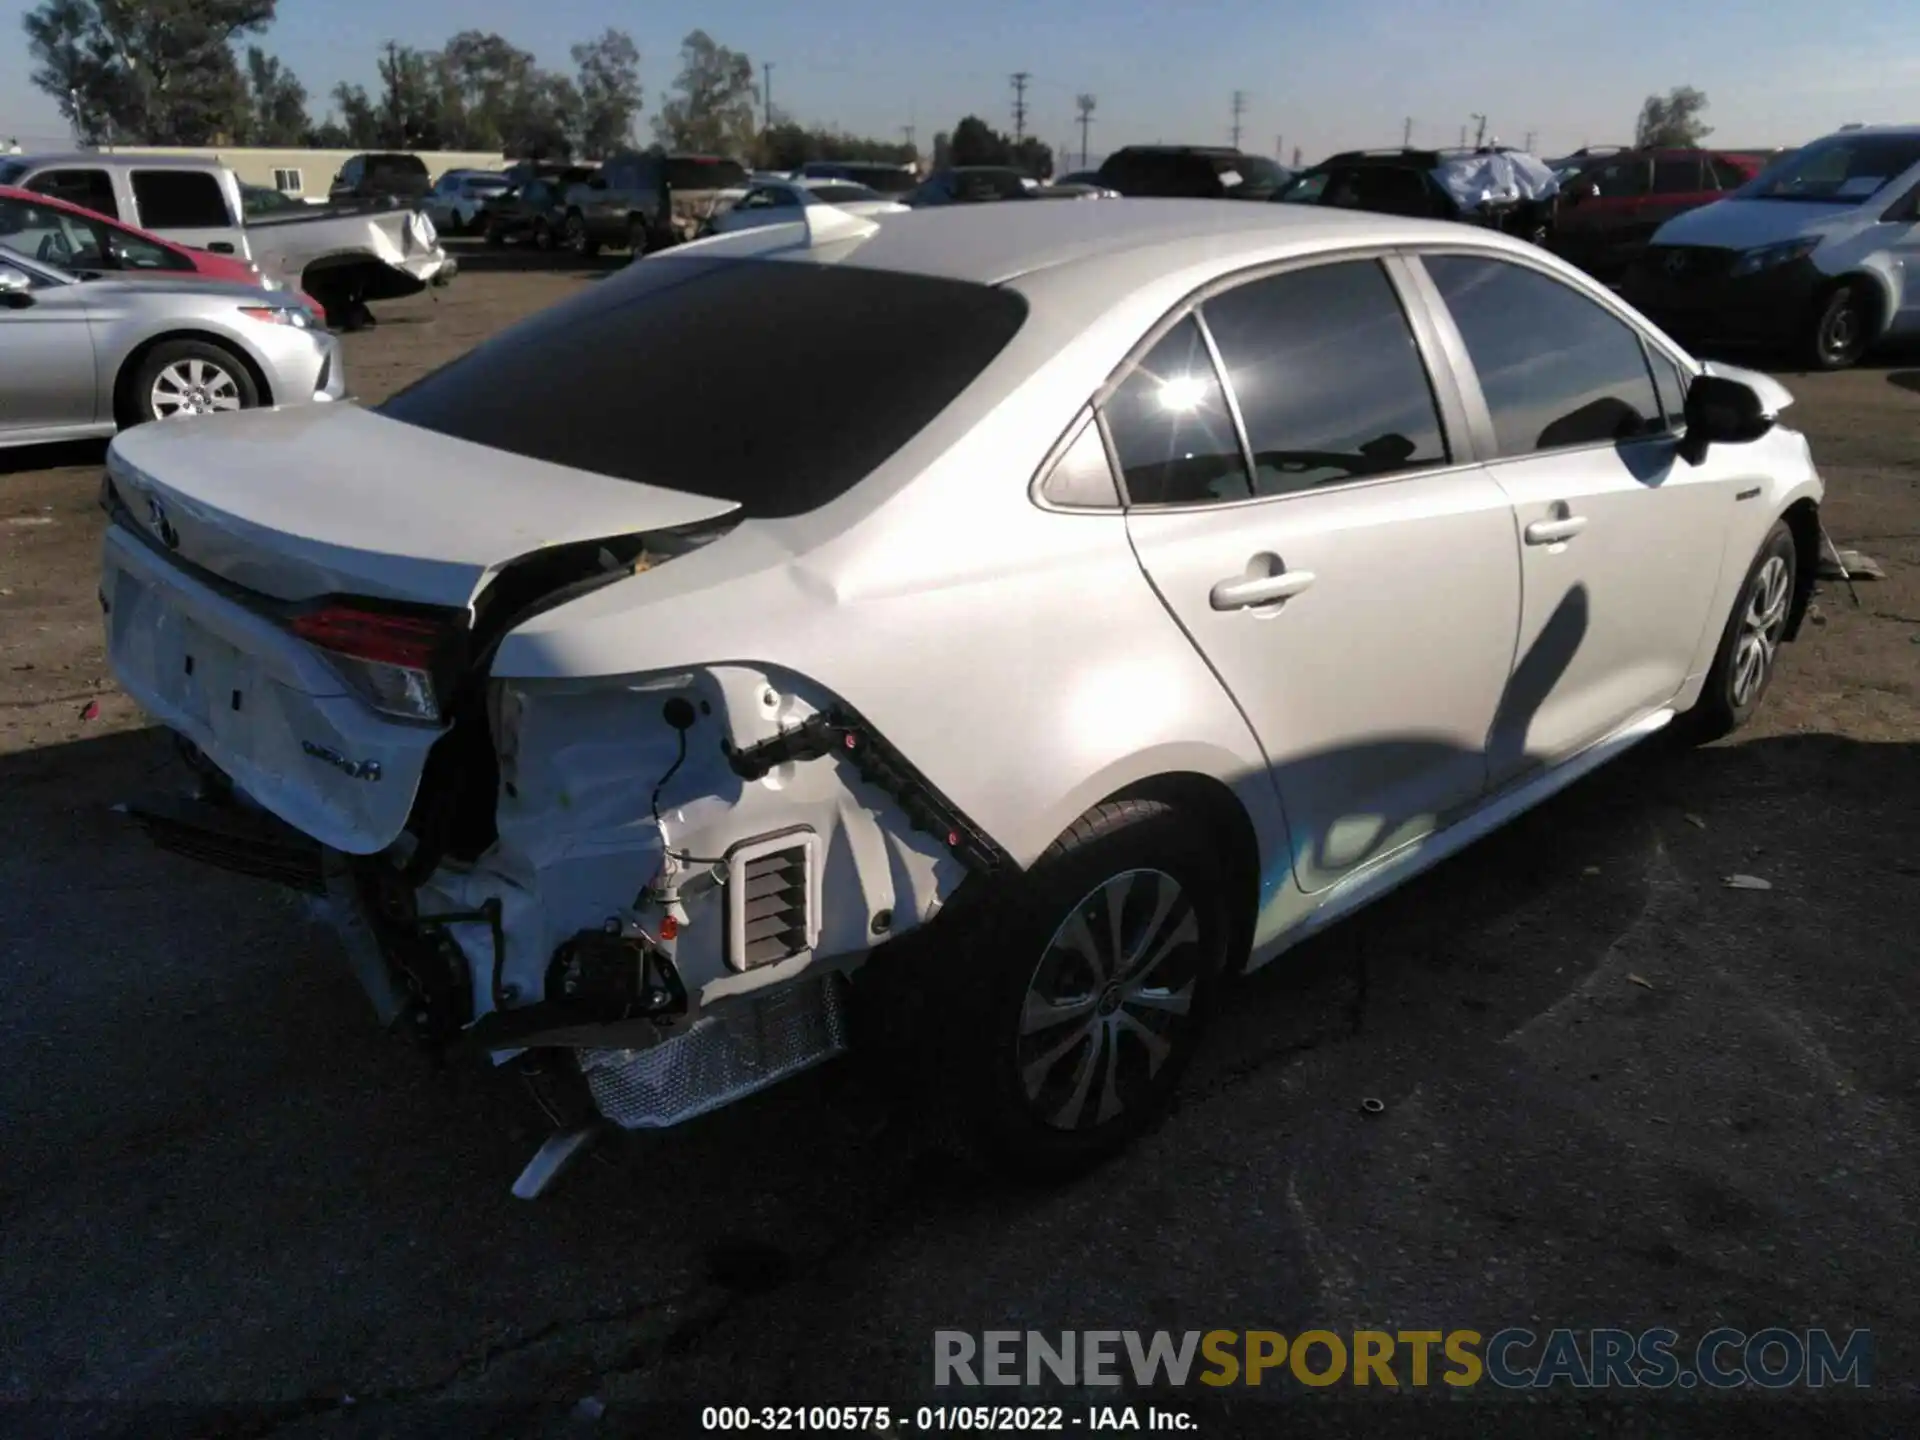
(486, 259)
(19, 459)
(1906, 380)
(229, 1053)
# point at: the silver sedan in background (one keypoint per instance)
(83, 357)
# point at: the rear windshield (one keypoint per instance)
(704, 174)
(887, 179)
(775, 384)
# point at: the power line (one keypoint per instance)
(1239, 109)
(1020, 79)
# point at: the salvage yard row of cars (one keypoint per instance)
(666, 771)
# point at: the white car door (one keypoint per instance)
(1621, 538)
(1329, 546)
(46, 356)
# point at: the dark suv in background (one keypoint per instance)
(380, 176)
(1193, 172)
(644, 202)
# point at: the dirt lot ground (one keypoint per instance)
(1616, 1092)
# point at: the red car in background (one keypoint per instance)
(58, 233)
(1607, 212)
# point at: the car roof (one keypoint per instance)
(991, 244)
(101, 157)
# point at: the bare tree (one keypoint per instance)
(1674, 121)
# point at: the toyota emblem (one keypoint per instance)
(163, 527)
(1677, 263)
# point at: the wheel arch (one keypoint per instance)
(1803, 519)
(135, 358)
(1873, 281)
(1225, 817)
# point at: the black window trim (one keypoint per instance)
(1467, 378)
(1463, 444)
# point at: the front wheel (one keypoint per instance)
(1089, 988)
(1749, 650)
(1842, 329)
(578, 241)
(189, 377)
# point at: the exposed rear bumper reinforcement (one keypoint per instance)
(247, 842)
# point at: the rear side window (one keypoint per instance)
(180, 200)
(704, 174)
(1678, 176)
(1327, 375)
(1171, 430)
(1556, 369)
(89, 189)
(775, 384)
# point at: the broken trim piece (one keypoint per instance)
(839, 730)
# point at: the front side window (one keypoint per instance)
(1678, 176)
(89, 189)
(180, 200)
(1171, 430)
(1327, 375)
(1555, 367)
(776, 385)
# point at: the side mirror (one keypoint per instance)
(16, 289)
(1720, 411)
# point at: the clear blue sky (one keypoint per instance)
(1323, 76)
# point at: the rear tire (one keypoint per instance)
(1744, 665)
(578, 241)
(1842, 328)
(1083, 991)
(637, 239)
(188, 377)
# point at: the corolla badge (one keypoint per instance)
(356, 769)
(163, 527)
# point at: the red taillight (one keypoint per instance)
(398, 663)
(403, 640)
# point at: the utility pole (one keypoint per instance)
(906, 132)
(1463, 137)
(1020, 79)
(1480, 135)
(1528, 147)
(1280, 148)
(1239, 109)
(1084, 104)
(766, 94)
(1406, 133)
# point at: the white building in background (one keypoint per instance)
(307, 174)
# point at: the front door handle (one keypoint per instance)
(221, 247)
(1244, 591)
(1552, 532)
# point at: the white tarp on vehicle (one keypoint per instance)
(1495, 177)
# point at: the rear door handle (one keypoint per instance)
(1552, 532)
(1244, 591)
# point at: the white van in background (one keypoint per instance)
(1819, 253)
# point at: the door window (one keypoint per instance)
(1171, 429)
(1678, 176)
(180, 200)
(89, 189)
(1328, 377)
(1620, 180)
(1556, 369)
(1729, 175)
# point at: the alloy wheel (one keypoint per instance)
(193, 387)
(1109, 1001)
(1840, 332)
(1761, 624)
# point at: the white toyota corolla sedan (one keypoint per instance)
(984, 631)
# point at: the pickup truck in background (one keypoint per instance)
(647, 202)
(342, 256)
(380, 176)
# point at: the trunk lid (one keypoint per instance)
(233, 527)
(337, 500)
